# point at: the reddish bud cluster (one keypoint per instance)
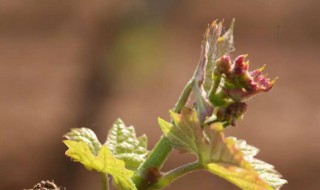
(232, 112)
(243, 83)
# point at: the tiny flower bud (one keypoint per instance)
(239, 65)
(223, 65)
(264, 83)
(232, 112)
(254, 74)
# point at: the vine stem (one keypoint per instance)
(162, 150)
(105, 181)
(184, 96)
(174, 174)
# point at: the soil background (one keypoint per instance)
(77, 63)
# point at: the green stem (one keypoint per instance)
(173, 175)
(184, 96)
(156, 158)
(215, 86)
(105, 181)
(162, 150)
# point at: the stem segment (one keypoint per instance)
(215, 86)
(184, 96)
(162, 150)
(175, 174)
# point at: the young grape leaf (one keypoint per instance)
(104, 162)
(228, 161)
(213, 47)
(85, 135)
(219, 155)
(184, 135)
(225, 43)
(207, 57)
(266, 171)
(202, 104)
(124, 144)
(245, 179)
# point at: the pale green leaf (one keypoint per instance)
(104, 162)
(243, 178)
(85, 135)
(225, 157)
(233, 160)
(266, 171)
(183, 136)
(124, 144)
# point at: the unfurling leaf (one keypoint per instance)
(124, 144)
(230, 159)
(85, 135)
(203, 106)
(225, 43)
(213, 47)
(104, 162)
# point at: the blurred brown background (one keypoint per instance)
(66, 64)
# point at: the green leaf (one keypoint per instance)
(85, 135)
(266, 171)
(251, 174)
(225, 157)
(186, 133)
(243, 178)
(227, 161)
(104, 163)
(124, 144)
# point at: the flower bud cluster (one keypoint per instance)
(231, 113)
(240, 83)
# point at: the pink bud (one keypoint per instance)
(264, 83)
(239, 65)
(254, 74)
(223, 65)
